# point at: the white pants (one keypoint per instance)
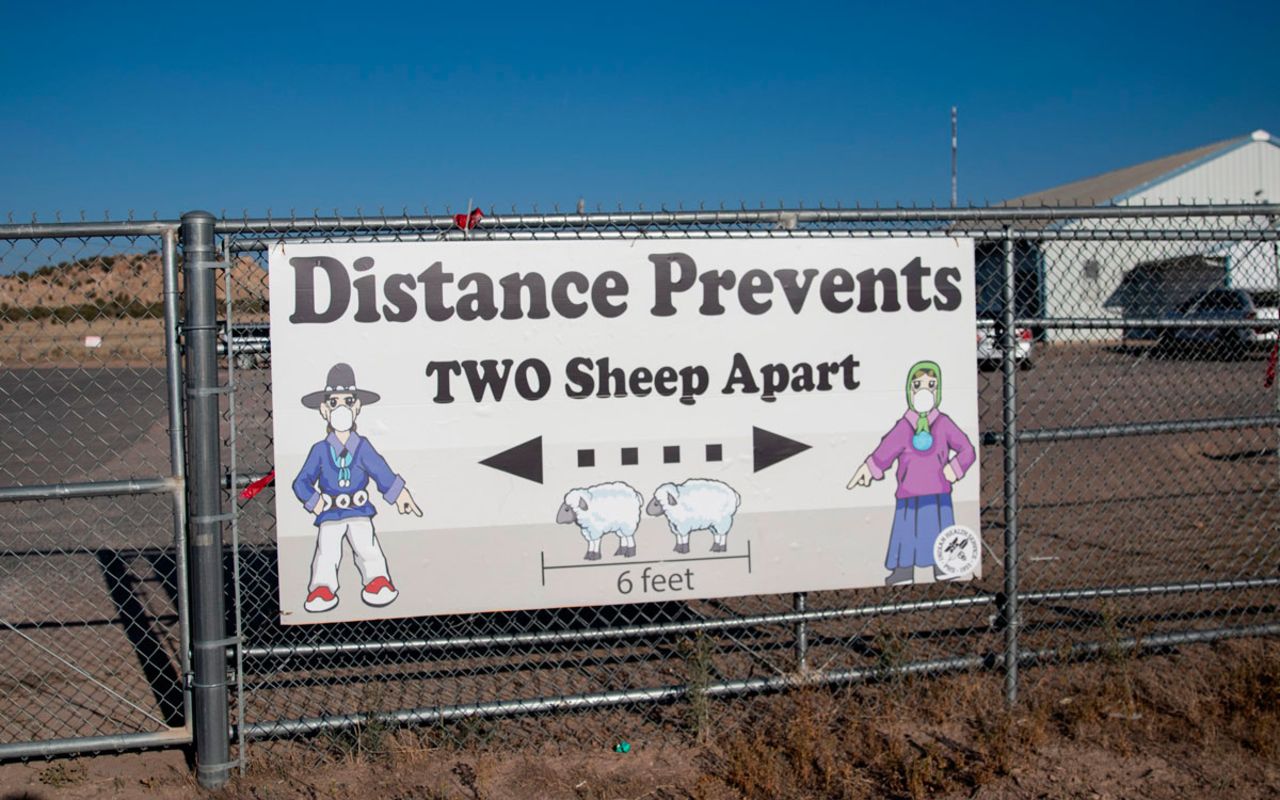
(364, 546)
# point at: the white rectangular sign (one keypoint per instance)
(471, 426)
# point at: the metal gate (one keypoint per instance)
(93, 579)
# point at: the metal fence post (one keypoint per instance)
(800, 603)
(208, 615)
(1009, 373)
(1275, 260)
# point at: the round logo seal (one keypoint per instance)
(957, 551)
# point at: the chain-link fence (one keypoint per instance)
(1129, 494)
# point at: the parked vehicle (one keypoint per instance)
(250, 344)
(990, 353)
(1239, 305)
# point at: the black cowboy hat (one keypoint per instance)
(341, 380)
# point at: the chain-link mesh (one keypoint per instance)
(90, 631)
(1149, 486)
(1129, 527)
(1146, 494)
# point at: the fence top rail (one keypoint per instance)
(262, 241)
(87, 230)
(1004, 215)
(1000, 215)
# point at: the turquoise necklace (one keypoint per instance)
(343, 462)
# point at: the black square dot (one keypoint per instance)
(671, 454)
(715, 452)
(586, 458)
(630, 456)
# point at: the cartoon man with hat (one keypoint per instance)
(333, 485)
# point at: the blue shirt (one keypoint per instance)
(320, 476)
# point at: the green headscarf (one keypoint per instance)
(922, 424)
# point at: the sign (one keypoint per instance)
(468, 426)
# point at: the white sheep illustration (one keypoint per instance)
(604, 508)
(696, 505)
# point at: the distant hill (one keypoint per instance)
(127, 285)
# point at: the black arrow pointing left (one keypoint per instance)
(523, 460)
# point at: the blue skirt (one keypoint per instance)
(917, 521)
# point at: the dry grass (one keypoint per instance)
(872, 745)
(1202, 721)
(61, 774)
(952, 736)
(912, 738)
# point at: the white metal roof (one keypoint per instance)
(1122, 184)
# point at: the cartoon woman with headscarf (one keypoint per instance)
(932, 453)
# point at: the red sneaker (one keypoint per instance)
(379, 592)
(321, 598)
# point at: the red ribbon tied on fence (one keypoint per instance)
(251, 491)
(468, 221)
(1271, 366)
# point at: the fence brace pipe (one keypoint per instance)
(801, 617)
(209, 695)
(66, 491)
(1158, 428)
(47, 748)
(657, 694)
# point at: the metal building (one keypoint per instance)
(1110, 279)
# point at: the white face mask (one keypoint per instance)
(341, 418)
(922, 401)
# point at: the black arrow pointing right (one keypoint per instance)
(769, 448)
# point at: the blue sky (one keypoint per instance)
(158, 108)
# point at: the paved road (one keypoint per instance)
(70, 425)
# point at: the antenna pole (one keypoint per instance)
(954, 146)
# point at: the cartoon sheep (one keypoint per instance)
(696, 505)
(604, 508)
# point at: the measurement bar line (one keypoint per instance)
(604, 564)
(704, 558)
(545, 568)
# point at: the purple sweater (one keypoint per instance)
(920, 472)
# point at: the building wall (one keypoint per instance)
(1248, 174)
(1254, 265)
(1081, 276)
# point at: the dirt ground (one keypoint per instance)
(1112, 728)
(90, 584)
(50, 343)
